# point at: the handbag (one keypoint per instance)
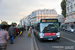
(20, 32)
(28, 34)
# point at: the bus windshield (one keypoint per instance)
(49, 27)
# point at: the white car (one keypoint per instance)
(72, 30)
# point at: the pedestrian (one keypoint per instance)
(12, 33)
(30, 31)
(22, 31)
(16, 31)
(3, 37)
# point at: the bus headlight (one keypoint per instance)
(41, 35)
(58, 36)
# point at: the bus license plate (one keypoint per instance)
(50, 39)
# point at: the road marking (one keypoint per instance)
(68, 39)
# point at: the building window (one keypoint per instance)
(71, 8)
(49, 12)
(69, 2)
(38, 18)
(74, 5)
(71, 17)
(44, 12)
(72, 1)
(41, 16)
(67, 9)
(74, 16)
(38, 12)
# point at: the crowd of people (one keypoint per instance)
(9, 34)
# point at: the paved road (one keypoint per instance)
(65, 43)
(68, 35)
(20, 43)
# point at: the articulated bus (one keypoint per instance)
(47, 29)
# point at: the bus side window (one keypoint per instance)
(59, 24)
(38, 28)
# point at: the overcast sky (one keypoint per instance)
(14, 10)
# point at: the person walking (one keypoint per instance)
(3, 37)
(30, 31)
(22, 31)
(16, 31)
(12, 33)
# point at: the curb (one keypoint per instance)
(34, 45)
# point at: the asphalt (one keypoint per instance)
(21, 43)
(62, 44)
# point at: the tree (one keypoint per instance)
(4, 22)
(14, 23)
(63, 6)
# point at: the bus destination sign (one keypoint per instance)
(49, 20)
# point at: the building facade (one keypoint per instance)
(27, 20)
(22, 21)
(70, 12)
(43, 14)
(61, 18)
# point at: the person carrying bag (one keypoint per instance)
(30, 31)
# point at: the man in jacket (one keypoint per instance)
(12, 33)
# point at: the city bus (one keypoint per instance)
(47, 29)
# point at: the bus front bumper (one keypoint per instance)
(49, 37)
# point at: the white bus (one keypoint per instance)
(47, 29)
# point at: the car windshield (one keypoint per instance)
(49, 27)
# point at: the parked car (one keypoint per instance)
(71, 29)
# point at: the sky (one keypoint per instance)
(15, 10)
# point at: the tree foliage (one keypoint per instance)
(4, 22)
(63, 6)
(14, 23)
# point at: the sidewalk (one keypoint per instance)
(20, 43)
